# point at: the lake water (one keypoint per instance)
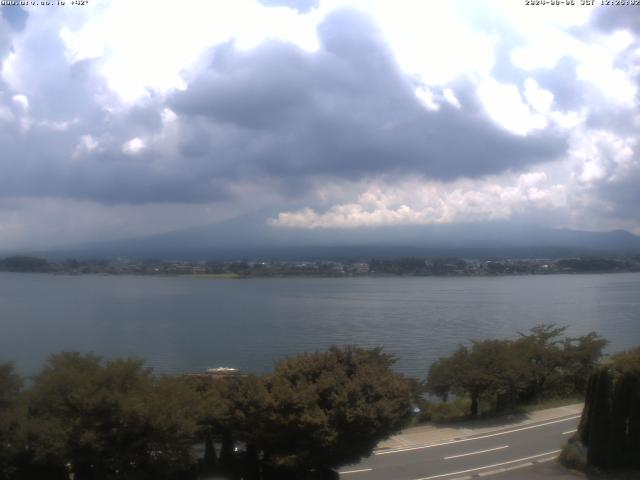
(186, 324)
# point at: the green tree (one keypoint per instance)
(24, 264)
(11, 420)
(443, 373)
(579, 358)
(628, 361)
(491, 369)
(331, 408)
(230, 409)
(542, 349)
(110, 419)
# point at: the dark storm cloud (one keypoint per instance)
(348, 111)
(274, 112)
(41, 146)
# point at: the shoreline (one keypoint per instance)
(232, 276)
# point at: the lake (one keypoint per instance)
(188, 324)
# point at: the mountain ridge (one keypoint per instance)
(251, 236)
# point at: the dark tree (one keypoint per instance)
(25, 264)
(542, 349)
(579, 358)
(491, 369)
(598, 453)
(331, 408)
(610, 424)
(12, 439)
(111, 418)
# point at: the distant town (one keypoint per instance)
(410, 266)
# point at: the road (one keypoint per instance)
(473, 456)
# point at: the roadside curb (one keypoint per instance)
(413, 438)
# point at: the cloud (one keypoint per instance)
(410, 202)
(302, 6)
(349, 111)
(45, 222)
(611, 19)
(357, 113)
(15, 16)
(133, 146)
(136, 66)
(5, 37)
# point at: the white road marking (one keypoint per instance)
(475, 453)
(478, 438)
(490, 466)
(356, 471)
(570, 431)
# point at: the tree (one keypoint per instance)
(11, 420)
(110, 419)
(599, 421)
(506, 372)
(628, 361)
(25, 264)
(580, 356)
(331, 408)
(491, 369)
(230, 409)
(442, 374)
(610, 424)
(542, 348)
(626, 408)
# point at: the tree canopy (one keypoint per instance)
(110, 419)
(610, 423)
(331, 408)
(10, 413)
(539, 363)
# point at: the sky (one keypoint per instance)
(121, 119)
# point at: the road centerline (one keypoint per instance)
(356, 471)
(477, 452)
(450, 442)
(489, 466)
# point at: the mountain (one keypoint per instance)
(252, 237)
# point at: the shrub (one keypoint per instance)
(572, 456)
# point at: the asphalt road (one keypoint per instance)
(472, 456)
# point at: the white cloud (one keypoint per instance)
(133, 146)
(432, 41)
(601, 155)
(451, 97)
(168, 116)
(539, 98)
(595, 57)
(410, 202)
(21, 101)
(506, 107)
(86, 145)
(150, 44)
(427, 99)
